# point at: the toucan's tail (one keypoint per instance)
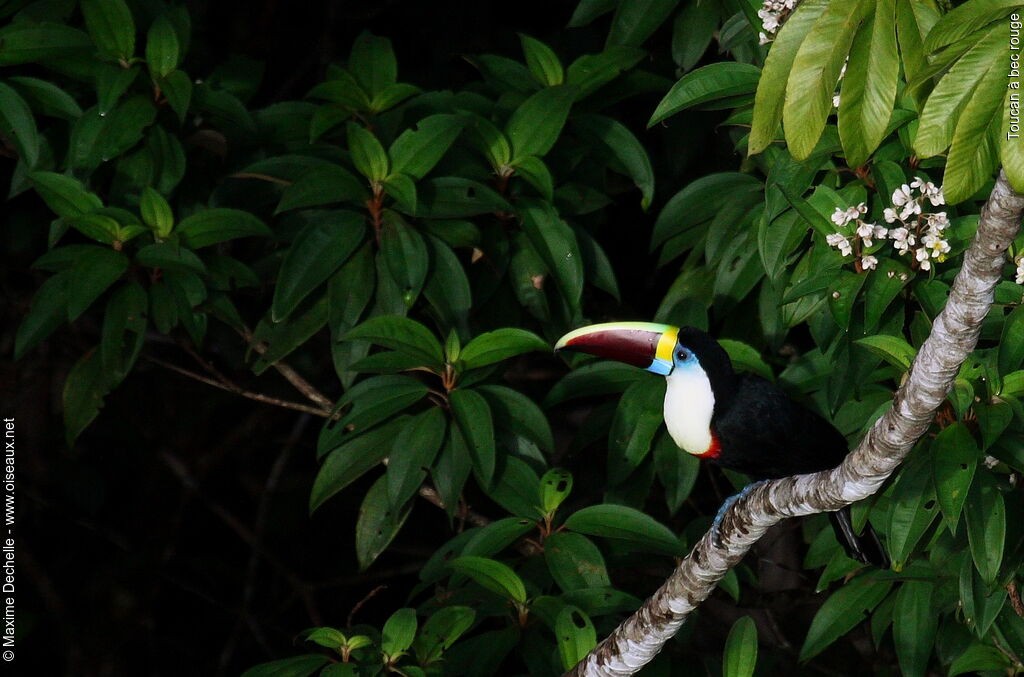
(863, 547)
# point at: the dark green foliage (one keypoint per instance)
(431, 245)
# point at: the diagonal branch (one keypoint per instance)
(953, 336)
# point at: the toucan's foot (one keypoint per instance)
(716, 532)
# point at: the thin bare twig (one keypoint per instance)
(231, 388)
(301, 384)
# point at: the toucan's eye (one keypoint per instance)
(683, 354)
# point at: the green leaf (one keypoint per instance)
(746, 358)
(979, 658)
(414, 450)
(557, 246)
(869, 86)
(398, 632)
(367, 154)
(637, 418)
(518, 413)
(377, 525)
(677, 471)
(913, 508)
(156, 213)
(163, 53)
(417, 150)
(93, 272)
(366, 404)
(842, 612)
(575, 634)
(451, 470)
(111, 83)
(1011, 343)
(635, 20)
(740, 656)
(542, 61)
(169, 256)
(492, 575)
(373, 63)
(451, 197)
(692, 31)
(591, 380)
(215, 225)
(317, 251)
(491, 141)
(536, 124)
(625, 148)
(405, 254)
(883, 286)
(492, 538)
(48, 311)
(893, 349)
(284, 337)
(504, 73)
(590, 72)
(981, 603)
(701, 200)
(961, 21)
(588, 10)
(440, 631)
(63, 194)
(626, 524)
(771, 88)
(575, 562)
(447, 287)
(815, 73)
(111, 26)
(942, 111)
(1010, 154)
(18, 125)
(46, 98)
(914, 624)
(178, 89)
(391, 96)
(535, 172)
(555, 486)
(84, 390)
(985, 511)
(296, 666)
(500, 344)
(973, 154)
(473, 416)
(27, 41)
(99, 227)
(327, 637)
(713, 82)
(956, 457)
(326, 184)
(401, 334)
(124, 330)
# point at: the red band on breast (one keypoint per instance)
(714, 450)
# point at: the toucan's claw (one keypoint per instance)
(716, 531)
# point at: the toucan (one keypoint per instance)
(739, 421)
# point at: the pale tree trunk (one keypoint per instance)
(953, 336)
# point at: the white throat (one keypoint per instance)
(689, 403)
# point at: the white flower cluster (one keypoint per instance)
(916, 225)
(1020, 269)
(864, 234)
(773, 14)
(919, 233)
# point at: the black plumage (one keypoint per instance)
(764, 434)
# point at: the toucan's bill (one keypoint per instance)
(641, 344)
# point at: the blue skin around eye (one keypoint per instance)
(664, 368)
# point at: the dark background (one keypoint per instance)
(174, 537)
